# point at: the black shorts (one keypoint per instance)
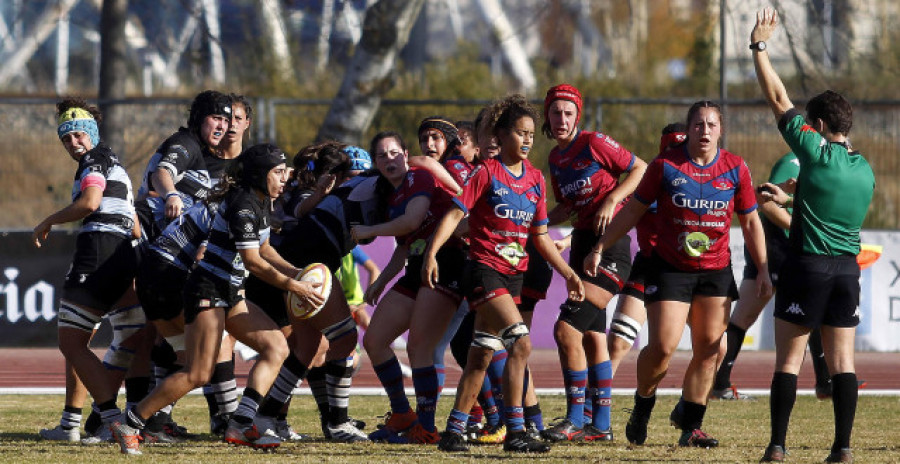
(269, 298)
(637, 278)
(668, 283)
(819, 290)
(615, 264)
(536, 279)
(451, 265)
(160, 286)
(483, 283)
(103, 268)
(776, 254)
(204, 291)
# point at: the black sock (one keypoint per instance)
(783, 395)
(693, 413)
(136, 388)
(734, 337)
(845, 393)
(93, 423)
(644, 406)
(817, 353)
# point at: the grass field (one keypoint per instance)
(741, 427)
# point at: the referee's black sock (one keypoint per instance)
(846, 394)
(783, 395)
(734, 337)
(817, 353)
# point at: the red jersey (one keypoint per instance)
(695, 205)
(459, 168)
(419, 182)
(586, 171)
(502, 210)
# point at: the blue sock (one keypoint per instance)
(488, 403)
(441, 377)
(391, 378)
(515, 419)
(425, 382)
(456, 422)
(588, 408)
(600, 381)
(575, 391)
(495, 374)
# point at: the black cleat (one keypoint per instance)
(774, 453)
(563, 431)
(452, 442)
(636, 428)
(843, 455)
(592, 433)
(521, 442)
(697, 438)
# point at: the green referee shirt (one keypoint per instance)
(834, 190)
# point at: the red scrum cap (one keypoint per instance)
(563, 92)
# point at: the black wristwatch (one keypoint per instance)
(758, 46)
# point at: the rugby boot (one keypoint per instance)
(452, 442)
(592, 433)
(697, 438)
(563, 431)
(521, 442)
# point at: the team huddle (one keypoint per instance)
(227, 243)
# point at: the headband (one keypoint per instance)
(78, 120)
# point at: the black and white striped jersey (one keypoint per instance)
(100, 167)
(241, 223)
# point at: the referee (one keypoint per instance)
(820, 281)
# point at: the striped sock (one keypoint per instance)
(600, 382)
(391, 377)
(515, 419)
(456, 422)
(576, 383)
(246, 409)
(425, 382)
(338, 378)
(289, 377)
(71, 418)
(221, 392)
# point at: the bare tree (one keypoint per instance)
(370, 71)
(14, 64)
(113, 72)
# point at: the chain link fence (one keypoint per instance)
(36, 173)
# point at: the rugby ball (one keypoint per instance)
(315, 272)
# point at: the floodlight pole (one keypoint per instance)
(723, 85)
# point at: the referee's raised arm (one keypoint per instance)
(771, 85)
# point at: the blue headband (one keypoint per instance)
(88, 126)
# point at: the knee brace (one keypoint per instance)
(513, 333)
(73, 317)
(487, 340)
(343, 328)
(625, 327)
(125, 322)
